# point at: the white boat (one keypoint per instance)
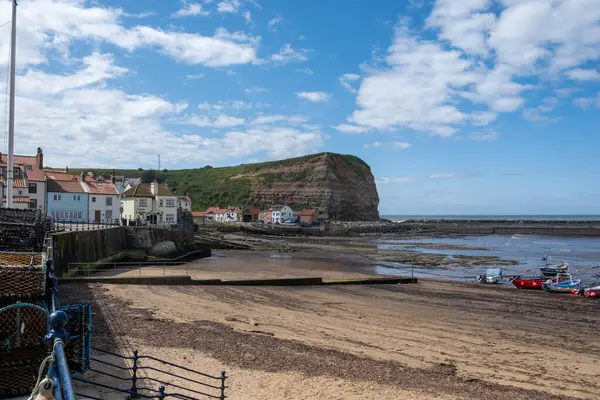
(492, 275)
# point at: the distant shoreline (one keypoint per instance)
(495, 218)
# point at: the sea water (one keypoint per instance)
(398, 218)
(528, 250)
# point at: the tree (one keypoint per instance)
(149, 175)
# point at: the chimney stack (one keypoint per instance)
(113, 177)
(39, 159)
(81, 176)
(154, 187)
(67, 170)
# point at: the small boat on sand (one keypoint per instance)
(492, 275)
(592, 292)
(532, 283)
(563, 283)
(555, 269)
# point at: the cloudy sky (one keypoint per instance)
(462, 106)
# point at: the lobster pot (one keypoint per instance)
(22, 275)
(22, 330)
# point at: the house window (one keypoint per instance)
(143, 203)
(57, 197)
(33, 204)
(170, 203)
(20, 192)
(29, 167)
(93, 199)
(160, 203)
(76, 197)
(170, 217)
(108, 214)
(32, 188)
(109, 201)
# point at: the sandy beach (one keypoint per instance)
(431, 340)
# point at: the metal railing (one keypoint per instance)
(80, 225)
(86, 269)
(135, 380)
(56, 339)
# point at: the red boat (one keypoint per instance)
(529, 283)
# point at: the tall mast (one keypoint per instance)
(11, 113)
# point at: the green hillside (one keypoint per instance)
(226, 186)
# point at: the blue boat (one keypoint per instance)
(564, 283)
(555, 269)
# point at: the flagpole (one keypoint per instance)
(11, 114)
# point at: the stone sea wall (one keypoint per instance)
(108, 244)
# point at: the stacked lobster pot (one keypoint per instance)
(26, 301)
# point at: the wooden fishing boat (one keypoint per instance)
(563, 284)
(555, 269)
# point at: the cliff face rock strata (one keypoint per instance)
(339, 186)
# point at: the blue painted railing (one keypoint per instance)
(56, 339)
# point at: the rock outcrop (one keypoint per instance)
(339, 186)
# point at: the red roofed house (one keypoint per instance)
(199, 216)
(306, 215)
(251, 214)
(210, 214)
(221, 215)
(104, 200)
(29, 182)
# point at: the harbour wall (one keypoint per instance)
(111, 244)
(461, 227)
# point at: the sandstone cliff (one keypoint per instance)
(339, 186)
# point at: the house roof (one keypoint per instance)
(184, 198)
(36, 175)
(19, 160)
(18, 182)
(19, 199)
(61, 176)
(276, 207)
(252, 210)
(305, 213)
(221, 211)
(106, 187)
(66, 186)
(212, 210)
(145, 190)
(198, 213)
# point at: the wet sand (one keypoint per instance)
(431, 340)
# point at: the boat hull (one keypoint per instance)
(530, 284)
(562, 287)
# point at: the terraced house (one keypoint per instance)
(29, 183)
(150, 202)
(104, 199)
(68, 196)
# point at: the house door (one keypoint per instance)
(97, 216)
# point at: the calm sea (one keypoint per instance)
(498, 217)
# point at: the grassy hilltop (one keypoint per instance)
(236, 185)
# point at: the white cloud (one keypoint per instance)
(315, 97)
(270, 119)
(484, 136)
(442, 176)
(221, 121)
(247, 17)
(346, 79)
(386, 180)
(306, 71)
(194, 76)
(255, 90)
(55, 24)
(586, 102)
(584, 74)
(228, 6)
(287, 54)
(395, 145)
(190, 9)
(274, 22)
(354, 129)
(483, 54)
(235, 105)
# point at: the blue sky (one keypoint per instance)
(459, 107)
